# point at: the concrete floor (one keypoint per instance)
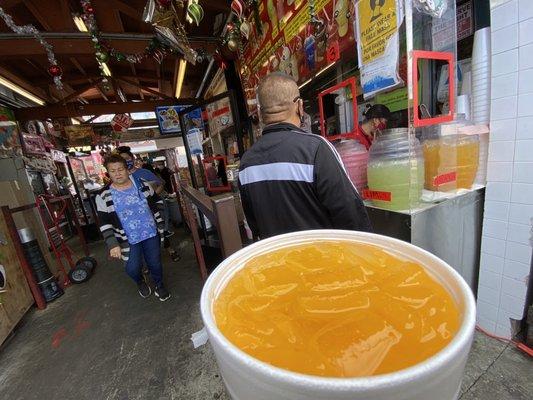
(102, 341)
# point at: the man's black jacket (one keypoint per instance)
(292, 181)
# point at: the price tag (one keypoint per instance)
(445, 178)
(333, 53)
(377, 195)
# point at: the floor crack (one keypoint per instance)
(486, 370)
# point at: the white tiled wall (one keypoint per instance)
(507, 227)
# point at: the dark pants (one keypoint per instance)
(150, 249)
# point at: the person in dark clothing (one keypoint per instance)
(291, 180)
(166, 174)
(221, 171)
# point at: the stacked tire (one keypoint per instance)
(46, 281)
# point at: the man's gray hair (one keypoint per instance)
(276, 94)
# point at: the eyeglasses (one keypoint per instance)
(296, 99)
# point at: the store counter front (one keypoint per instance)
(449, 229)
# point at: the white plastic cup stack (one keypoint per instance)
(481, 69)
(463, 106)
(481, 176)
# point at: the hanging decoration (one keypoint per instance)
(232, 39)
(167, 23)
(245, 29)
(254, 6)
(54, 69)
(195, 12)
(237, 8)
(157, 48)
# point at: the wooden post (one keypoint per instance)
(190, 218)
(227, 225)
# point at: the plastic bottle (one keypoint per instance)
(395, 170)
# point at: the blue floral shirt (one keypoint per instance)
(134, 214)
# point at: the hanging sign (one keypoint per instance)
(194, 139)
(79, 135)
(121, 122)
(58, 156)
(169, 122)
(378, 44)
(465, 23)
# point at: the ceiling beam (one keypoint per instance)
(30, 5)
(154, 92)
(48, 80)
(10, 3)
(78, 92)
(139, 87)
(71, 110)
(102, 93)
(66, 14)
(24, 84)
(158, 73)
(95, 81)
(14, 47)
(139, 37)
(124, 8)
(119, 93)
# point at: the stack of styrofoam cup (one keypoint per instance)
(463, 106)
(466, 87)
(481, 176)
(481, 69)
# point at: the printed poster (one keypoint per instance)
(376, 24)
(194, 140)
(169, 122)
(79, 135)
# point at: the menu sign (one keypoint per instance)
(287, 41)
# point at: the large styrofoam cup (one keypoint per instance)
(247, 378)
(481, 50)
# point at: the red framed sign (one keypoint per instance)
(348, 83)
(214, 180)
(439, 56)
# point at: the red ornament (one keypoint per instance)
(55, 70)
(230, 27)
(89, 9)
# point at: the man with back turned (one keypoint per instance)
(291, 180)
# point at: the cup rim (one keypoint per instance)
(396, 378)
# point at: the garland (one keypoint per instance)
(54, 69)
(156, 49)
(104, 49)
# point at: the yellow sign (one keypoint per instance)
(302, 18)
(377, 22)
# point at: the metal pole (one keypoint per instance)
(188, 150)
(236, 121)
